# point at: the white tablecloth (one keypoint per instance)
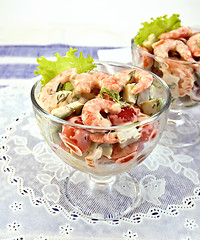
(31, 204)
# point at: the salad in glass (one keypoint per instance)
(97, 99)
(101, 118)
(172, 51)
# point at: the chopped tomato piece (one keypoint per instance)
(148, 132)
(127, 114)
(77, 139)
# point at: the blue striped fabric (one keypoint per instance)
(23, 71)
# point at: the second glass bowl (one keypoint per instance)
(183, 79)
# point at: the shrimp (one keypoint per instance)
(84, 83)
(91, 112)
(109, 138)
(162, 48)
(123, 77)
(51, 95)
(185, 73)
(143, 79)
(106, 80)
(147, 60)
(182, 32)
(194, 44)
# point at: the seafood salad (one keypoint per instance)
(172, 52)
(93, 103)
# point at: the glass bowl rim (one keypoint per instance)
(161, 58)
(123, 126)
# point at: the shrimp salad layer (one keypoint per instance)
(165, 38)
(98, 99)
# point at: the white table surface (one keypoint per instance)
(85, 23)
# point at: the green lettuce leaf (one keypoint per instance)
(157, 26)
(50, 69)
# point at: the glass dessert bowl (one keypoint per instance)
(183, 79)
(103, 155)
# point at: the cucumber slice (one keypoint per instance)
(65, 111)
(128, 96)
(146, 95)
(151, 107)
